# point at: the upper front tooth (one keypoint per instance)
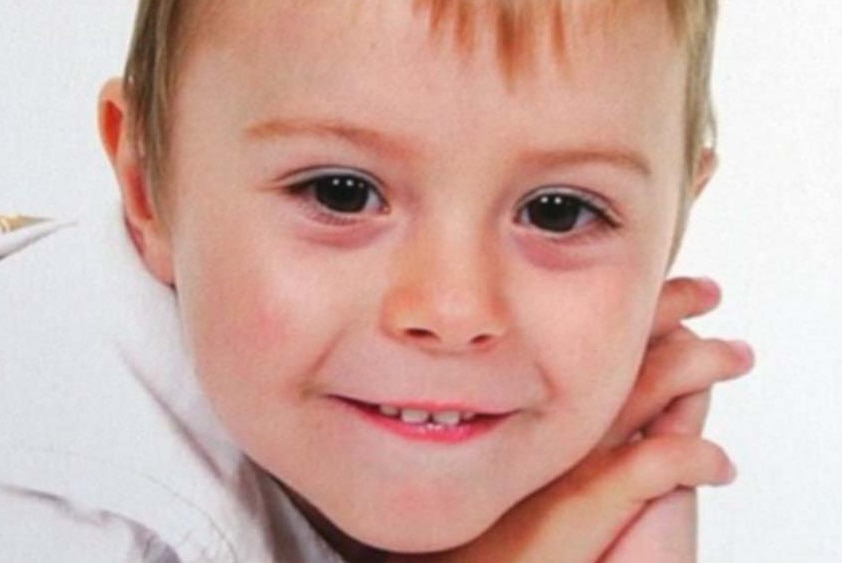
(414, 416)
(447, 418)
(388, 410)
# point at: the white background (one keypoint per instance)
(768, 229)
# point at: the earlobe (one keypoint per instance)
(143, 220)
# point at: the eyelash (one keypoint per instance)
(567, 198)
(366, 199)
(305, 190)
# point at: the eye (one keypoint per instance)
(559, 211)
(340, 193)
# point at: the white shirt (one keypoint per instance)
(108, 449)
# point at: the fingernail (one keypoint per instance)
(711, 289)
(730, 474)
(744, 350)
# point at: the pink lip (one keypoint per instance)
(463, 432)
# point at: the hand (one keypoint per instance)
(665, 531)
(631, 499)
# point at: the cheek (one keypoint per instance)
(244, 308)
(258, 328)
(262, 312)
(589, 336)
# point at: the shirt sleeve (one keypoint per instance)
(40, 528)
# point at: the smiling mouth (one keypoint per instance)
(445, 425)
(445, 418)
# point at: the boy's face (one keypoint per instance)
(362, 216)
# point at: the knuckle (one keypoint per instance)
(659, 465)
(668, 364)
(697, 295)
(683, 298)
(653, 456)
(685, 291)
(728, 357)
(684, 285)
(696, 363)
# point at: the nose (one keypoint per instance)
(446, 297)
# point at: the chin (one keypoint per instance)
(411, 536)
(417, 524)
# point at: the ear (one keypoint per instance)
(143, 220)
(705, 169)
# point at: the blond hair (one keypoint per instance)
(165, 28)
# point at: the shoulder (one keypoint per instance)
(105, 436)
(99, 406)
(75, 533)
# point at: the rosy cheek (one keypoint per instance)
(589, 334)
(212, 306)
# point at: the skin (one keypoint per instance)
(632, 500)
(444, 293)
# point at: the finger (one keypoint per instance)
(577, 518)
(623, 483)
(684, 298)
(681, 332)
(653, 467)
(675, 368)
(664, 531)
(685, 416)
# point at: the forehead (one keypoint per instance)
(541, 76)
(514, 33)
(514, 29)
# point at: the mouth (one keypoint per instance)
(441, 424)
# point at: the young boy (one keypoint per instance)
(413, 253)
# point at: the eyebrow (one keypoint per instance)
(279, 128)
(616, 157)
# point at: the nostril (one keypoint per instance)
(420, 333)
(430, 336)
(481, 339)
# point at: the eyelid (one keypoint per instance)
(595, 203)
(305, 175)
(297, 185)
